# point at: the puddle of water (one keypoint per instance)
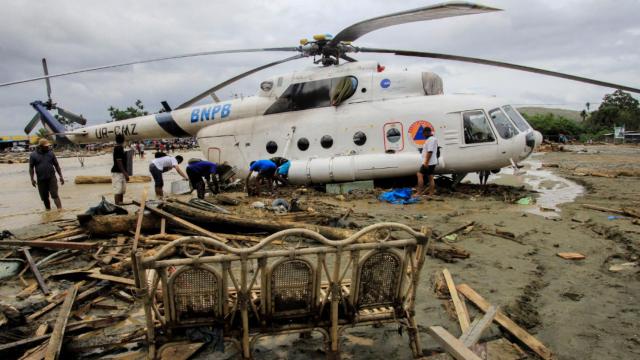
(553, 190)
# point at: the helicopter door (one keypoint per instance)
(393, 137)
(479, 147)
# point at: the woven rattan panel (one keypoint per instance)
(195, 294)
(291, 287)
(379, 279)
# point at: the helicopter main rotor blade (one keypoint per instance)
(438, 11)
(206, 93)
(71, 116)
(204, 53)
(46, 73)
(499, 64)
(32, 123)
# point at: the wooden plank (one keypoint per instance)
(36, 272)
(513, 328)
(136, 237)
(186, 224)
(51, 244)
(453, 346)
(59, 301)
(63, 234)
(55, 342)
(571, 256)
(463, 316)
(459, 228)
(473, 334)
(114, 279)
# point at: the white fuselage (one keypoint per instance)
(388, 108)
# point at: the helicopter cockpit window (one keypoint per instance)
(343, 89)
(517, 119)
(476, 128)
(314, 94)
(505, 128)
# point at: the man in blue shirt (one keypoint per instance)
(200, 170)
(266, 170)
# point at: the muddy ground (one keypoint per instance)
(579, 309)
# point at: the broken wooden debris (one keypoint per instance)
(458, 229)
(55, 342)
(571, 256)
(185, 223)
(474, 332)
(101, 225)
(179, 350)
(447, 253)
(35, 271)
(463, 316)
(271, 226)
(530, 341)
(452, 345)
(50, 244)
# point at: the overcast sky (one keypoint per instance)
(598, 39)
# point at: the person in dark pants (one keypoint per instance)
(161, 165)
(200, 171)
(429, 162)
(119, 175)
(45, 164)
(266, 170)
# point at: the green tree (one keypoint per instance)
(618, 108)
(552, 125)
(130, 112)
(42, 133)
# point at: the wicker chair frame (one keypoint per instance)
(298, 288)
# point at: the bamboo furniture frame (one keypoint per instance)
(298, 286)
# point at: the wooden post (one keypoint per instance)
(163, 226)
(55, 342)
(146, 298)
(139, 223)
(244, 309)
(335, 299)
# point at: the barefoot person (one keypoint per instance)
(119, 175)
(161, 165)
(45, 164)
(429, 162)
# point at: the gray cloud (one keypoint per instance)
(590, 38)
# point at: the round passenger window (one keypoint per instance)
(359, 138)
(303, 144)
(272, 147)
(326, 141)
(393, 135)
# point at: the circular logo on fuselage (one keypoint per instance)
(385, 83)
(415, 131)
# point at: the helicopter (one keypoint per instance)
(342, 119)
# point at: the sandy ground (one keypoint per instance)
(579, 309)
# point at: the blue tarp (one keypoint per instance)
(399, 196)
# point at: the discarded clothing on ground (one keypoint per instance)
(399, 197)
(106, 208)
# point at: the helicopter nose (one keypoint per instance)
(533, 139)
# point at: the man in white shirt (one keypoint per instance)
(429, 161)
(161, 165)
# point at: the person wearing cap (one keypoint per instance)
(45, 164)
(161, 165)
(119, 175)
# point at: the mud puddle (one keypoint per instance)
(553, 190)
